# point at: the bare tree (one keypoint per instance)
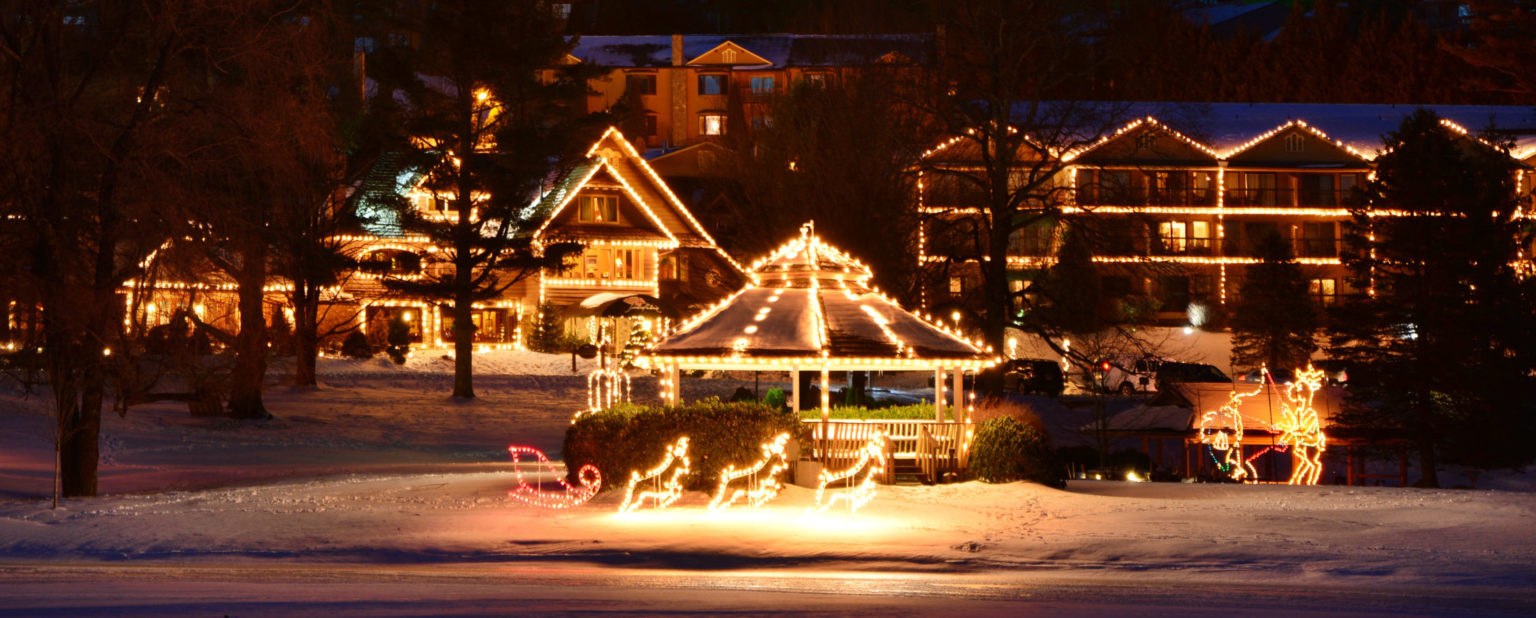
(81, 113)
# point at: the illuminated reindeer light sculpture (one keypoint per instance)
(1222, 430)
(1300, 429)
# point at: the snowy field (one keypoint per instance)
(378, 495)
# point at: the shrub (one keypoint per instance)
(356, 345)
(914, 412)
(1017, 408)
(630, 437)
(399, 339)
(1006, 450)
(775, 398)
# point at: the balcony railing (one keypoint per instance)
(1137, 196)
(1184, 246)
(1258, 197)
(1317, 247)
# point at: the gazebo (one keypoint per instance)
(809, 307)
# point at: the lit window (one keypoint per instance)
(640, 83)
(711, 84)
(711, 124)
(956, 285)
(816, 80)
(598, 209)
(1324, 291)
(762, 85)
(1173, 234)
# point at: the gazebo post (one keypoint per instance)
(938, 393)
(958, 392)
(826, 411)
(675, 393)
(794, 389)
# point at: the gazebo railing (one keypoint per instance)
(931, 448)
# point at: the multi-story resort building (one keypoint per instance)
(1177, 208)
(694, 88)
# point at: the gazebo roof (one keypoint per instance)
(810, 305)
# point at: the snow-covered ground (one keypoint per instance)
(380, 471)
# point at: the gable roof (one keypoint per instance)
(779, 50)
(729, 53)
(614, 155)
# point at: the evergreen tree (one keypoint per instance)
(1441, 351)
(489, 110)
(1072, 288)
(543, 329)
(1273, 321)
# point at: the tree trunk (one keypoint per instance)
(306, 333)
(251, 345)
(1430, 477)
(463, 343)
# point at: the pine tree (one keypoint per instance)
(1273, 321)
(1441, 352)
(489, 110)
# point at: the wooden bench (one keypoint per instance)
(929, 449)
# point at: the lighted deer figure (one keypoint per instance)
(762, 477)
(1299, 427)
(665, 493)
(1222, 430)
(871, 464)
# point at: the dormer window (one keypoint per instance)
(1293, 142)
(598, 209)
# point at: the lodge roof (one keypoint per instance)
(779, 50)
(1228, 130)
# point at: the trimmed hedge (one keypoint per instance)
(1006, 450)
(631, 437)
(915, 412)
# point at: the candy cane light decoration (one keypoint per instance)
(662, 494)
(871, 462)
(761, 486)
(588, 477)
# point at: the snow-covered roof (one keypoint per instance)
(780, 50)
(809, 304)
(1227, 127)
(1179, 406)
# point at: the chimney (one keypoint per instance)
(677, 50)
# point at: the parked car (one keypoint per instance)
(1129, 374)
(1178, 373)
(1335, 372)
(1278, 376)
(1024, 375)
(1034, 375)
